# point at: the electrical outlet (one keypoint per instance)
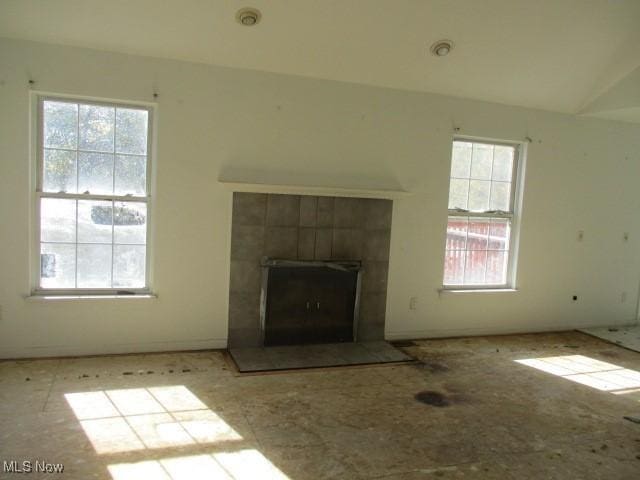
(574, 298)
(413, 303)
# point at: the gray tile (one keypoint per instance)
(325, 211)
(305, 356)
(374, 276)
(384, 351)
(376, 245)
(251, 359)
(378, 214)
(324, 240)
(349, 212)
(353, 353)
(306, 243)
(247, 242)
(347, 244)
(371, 332)
(283, 210)
(308, 211)
(281, 242)
(302, 356)
(244, 310)
(244, 337)
(372, 308)
(249, 208)
(246, 276)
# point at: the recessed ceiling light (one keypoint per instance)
(442, 48)
(248, 16)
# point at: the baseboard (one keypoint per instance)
(507, 330)
(34, 351)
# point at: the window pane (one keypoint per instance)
(481, 162)
(94, 266)
(503, 163)
(95, 173)
(496, 268)
(59, 171)
(478, 234)
(461, 160)
(458, 194)
(57, 220)
(454, 267)
(475, 265)
(57, 265)
(457, 233)
(94, 221)
(500, 196)
(130, 222)
(131, 175)
(60, 124)
(129, 266)
(96, 128)
(131, 131)
(479, 195)
(499, 234)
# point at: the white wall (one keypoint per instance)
(581, 174)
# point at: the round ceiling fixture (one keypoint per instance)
(442, 48)
(248, 16)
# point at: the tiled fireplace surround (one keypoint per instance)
(301, 227)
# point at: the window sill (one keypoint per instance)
(47, 298)
(477, 290)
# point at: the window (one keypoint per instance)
(482, 215)
(92, 195)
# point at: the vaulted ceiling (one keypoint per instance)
(572, 56)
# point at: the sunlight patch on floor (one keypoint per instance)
(248, 464)
(588, 371)
(139, 418)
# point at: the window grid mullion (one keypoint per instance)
(470, 175)
(466, 249)
(77, 185)
(89, 196)
(76, 248)
(113, 238)
(86, 150)
(113, 185)
(493, 158)
(490, 215)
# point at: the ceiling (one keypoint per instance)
(559, 55)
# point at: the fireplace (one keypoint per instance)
(288, 251)
(309, 302)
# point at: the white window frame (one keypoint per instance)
(37, 143)
(514, 214)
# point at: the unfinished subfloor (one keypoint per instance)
(470, 409)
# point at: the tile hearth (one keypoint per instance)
(262, 359)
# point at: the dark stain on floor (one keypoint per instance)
(435, 399)
(432, 367)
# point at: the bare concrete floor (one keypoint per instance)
(556, 414)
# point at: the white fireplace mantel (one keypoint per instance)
(325, 191)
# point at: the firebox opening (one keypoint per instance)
(309, 302)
